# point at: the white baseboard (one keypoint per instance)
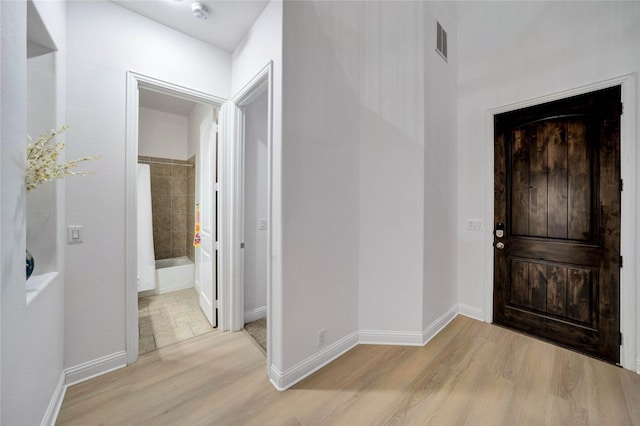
(51, 415)
(407, 338)
(471, 312)
(390, 337)
(255, 314)
(275, 377)
(436, 327)
(96, 367)
(291, 376)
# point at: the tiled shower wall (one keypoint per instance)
(172, 197)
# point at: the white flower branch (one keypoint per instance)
(42, 164)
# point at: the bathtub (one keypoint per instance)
(172, 274)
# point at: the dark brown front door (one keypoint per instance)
(557, 202)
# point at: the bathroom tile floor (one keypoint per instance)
(170, 318)
(257, 330)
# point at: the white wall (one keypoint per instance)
(440, 166)
(255, 207)
(320, 158)
(13, 84)
(391, 152)
(104, 42)
(516, 51)
(32, 346)
(262, 44)
(162, 134)
(366, 153)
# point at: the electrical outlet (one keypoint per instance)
(321, 336)
(262, 224)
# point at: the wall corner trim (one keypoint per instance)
(436, 327)
(51, 415)
(471, 312)
(276, 378)
(96, 367)
(291, 376)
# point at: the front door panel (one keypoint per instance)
(557, 190)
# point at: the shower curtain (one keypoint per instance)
(146, 257)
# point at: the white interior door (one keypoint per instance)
(208, 266)
(231, 296)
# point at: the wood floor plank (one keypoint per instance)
(472, 373)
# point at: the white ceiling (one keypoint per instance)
(228, 22)
(165, 103)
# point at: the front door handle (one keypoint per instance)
(500, 245)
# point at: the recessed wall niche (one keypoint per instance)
(42, 228)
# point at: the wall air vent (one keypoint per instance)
(441, 42)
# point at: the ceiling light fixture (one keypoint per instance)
(199, 10)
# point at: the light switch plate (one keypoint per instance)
(74, 234)
(475, 224)
(262, 224)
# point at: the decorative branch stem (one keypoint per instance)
(42, 164)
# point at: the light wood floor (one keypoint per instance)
(471, 373)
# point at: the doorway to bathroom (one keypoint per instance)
(222, 190)
(175, 137)
(171, 214)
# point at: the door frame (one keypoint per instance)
(136, 81)
(232, 216)
(629, 216)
